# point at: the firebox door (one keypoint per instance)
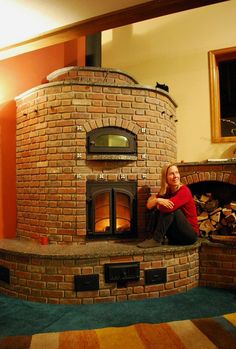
(111, 209)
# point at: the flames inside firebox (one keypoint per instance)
(111, 209)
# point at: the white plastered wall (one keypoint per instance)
(173, 50)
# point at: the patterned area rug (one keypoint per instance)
(205, 333)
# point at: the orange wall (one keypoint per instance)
(17, 75)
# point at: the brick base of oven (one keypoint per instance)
(217, 265)
(47, 273)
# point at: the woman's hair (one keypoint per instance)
(164, 184)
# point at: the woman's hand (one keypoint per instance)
(165, 202)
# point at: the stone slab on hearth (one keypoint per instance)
(91, 249)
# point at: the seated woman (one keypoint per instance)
(173, 212)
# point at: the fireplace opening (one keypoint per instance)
(111, 209)
(221, 191)
(216, 207)
(111, 140)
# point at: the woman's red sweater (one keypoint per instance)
(183, 199)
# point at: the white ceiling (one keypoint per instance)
(21, 20)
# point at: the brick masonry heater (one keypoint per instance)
(90, 145)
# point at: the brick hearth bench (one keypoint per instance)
(47, 273)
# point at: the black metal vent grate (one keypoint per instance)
(155, 276)
(122, 273)
(4, 274)
(88, 282)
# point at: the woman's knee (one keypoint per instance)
(179, 214)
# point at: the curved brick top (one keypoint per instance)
(220, 171)
(92, 74)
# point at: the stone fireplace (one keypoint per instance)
(90, 128)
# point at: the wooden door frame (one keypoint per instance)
(215, 57)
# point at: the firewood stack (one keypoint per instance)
(214, 219)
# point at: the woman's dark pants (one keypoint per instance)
(172, 225)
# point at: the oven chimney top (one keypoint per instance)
(93, 50)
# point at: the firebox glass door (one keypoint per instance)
(111, 209)
(123, 212)
(112, 212)
(102, 214)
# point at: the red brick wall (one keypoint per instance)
(218, 266)
(211, 171)
(51, 279)
(52, 168)
(18, 74)
(217, 262)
